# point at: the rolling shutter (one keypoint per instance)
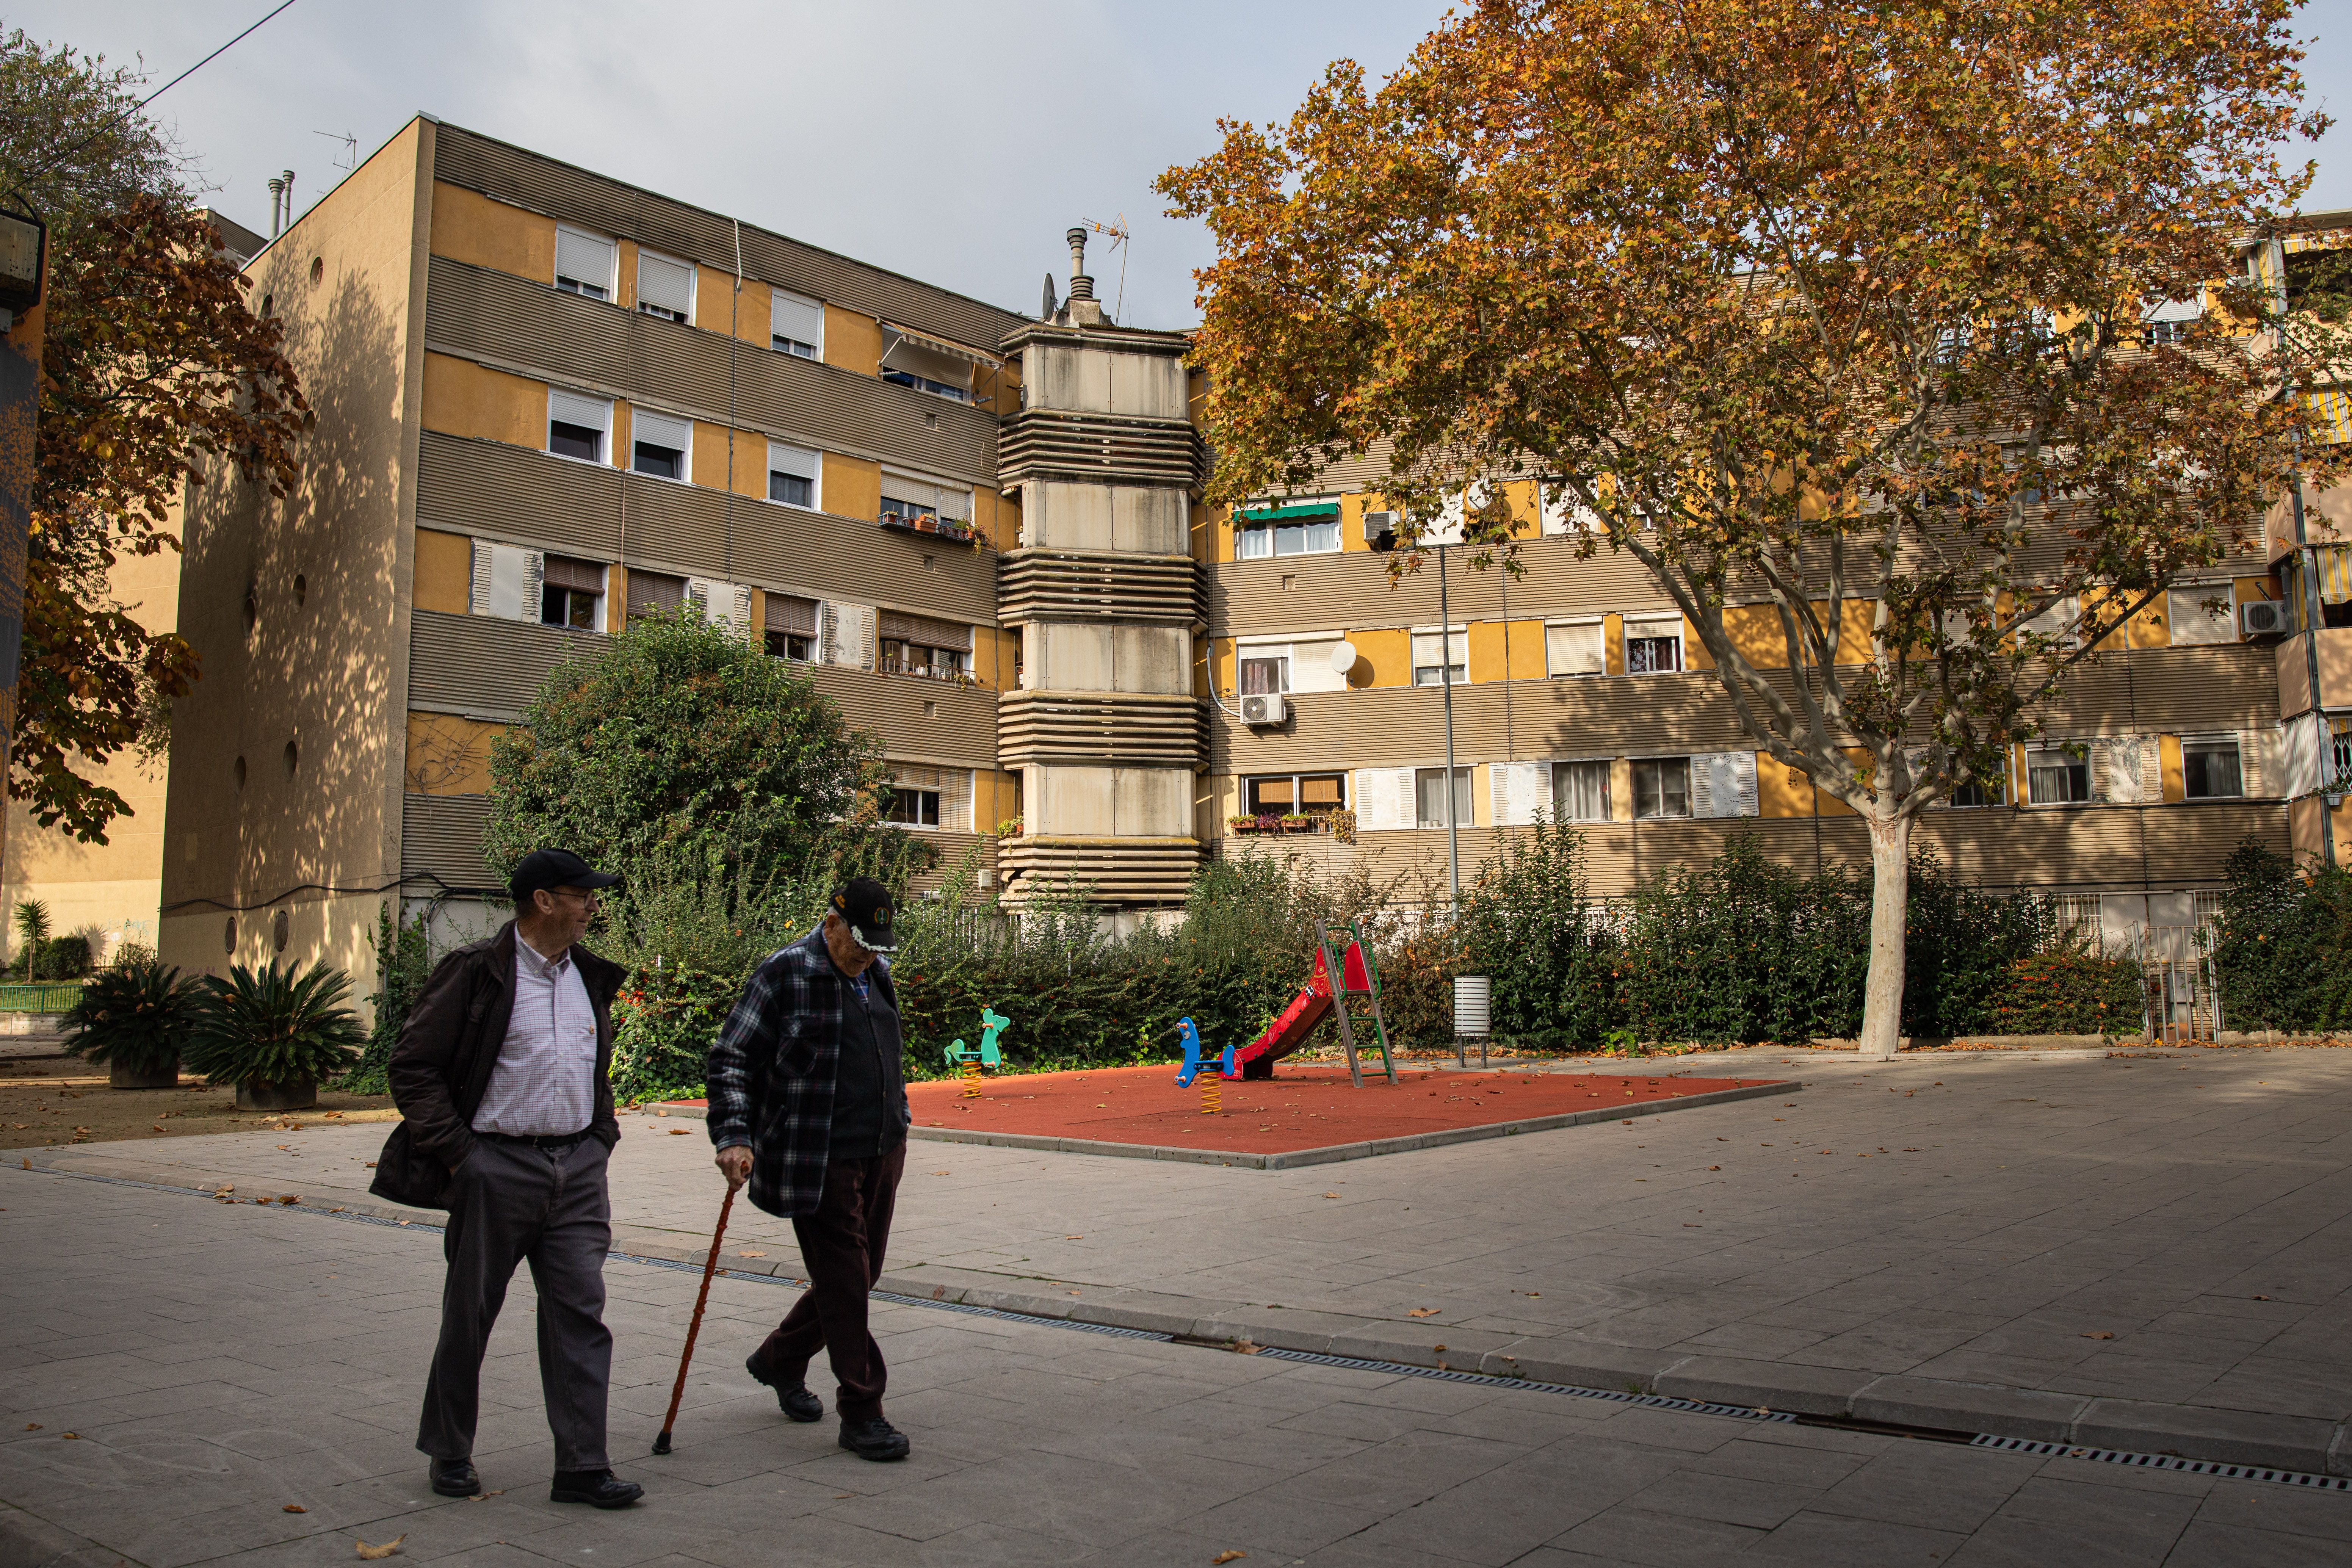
(1574, 649)
(1385, 800)
(797, 318)
(665, 284)
(585, 258)
(1519, 791)
(571, 408)
(922, 629)
(665, 430)
(506, 582)
(2303, 747)
(791, 615)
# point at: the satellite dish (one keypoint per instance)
(1343, 657)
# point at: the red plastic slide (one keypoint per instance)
(1290, 1030)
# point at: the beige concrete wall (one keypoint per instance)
(310, 693)
(114, 888)
(1103, 517)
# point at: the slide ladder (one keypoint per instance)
(1357, 976)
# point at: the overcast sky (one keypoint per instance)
(954, 142)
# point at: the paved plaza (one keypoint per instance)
(2147, 1250)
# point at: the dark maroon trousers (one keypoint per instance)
(841, 1244)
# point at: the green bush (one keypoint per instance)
(274, 1027)
(2285, 946)
(2068, 994)
(403, 959)
(133, 1016)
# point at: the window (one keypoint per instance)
(1564, 510)
(916, 644)
(2057, 621)
(1579, 792)
(926, 505)
(577, 426)
(792, 627)
(2339, 751)
(796, 325)
(1574, 649)
(1295, 794)
(1653, 647)
(660, 444)
(1265, 671)
(571, 593)
(584, 263)
(792, 475)
(2171, 321)
(654, 593)
(1980, 793)
(1435, 653)
(1304, 528)
(910, 362)
(936, 798)
(2057, 775)
(665, 287)
(2193, 623)
(2209, 768)
(1428, 797)
(1661, 787)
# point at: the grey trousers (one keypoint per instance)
(508, 1202)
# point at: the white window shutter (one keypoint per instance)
(1702, 779)
(1384, 799)
(477, 593)
(665, 284)
(2115, 769)
(2298, 760)
(1519, 791)
(585, 258)
(848, 635)
(572, 409)
(742, 598)
(506, 582)
(798, 317)
(1743, 782)
(697, 594)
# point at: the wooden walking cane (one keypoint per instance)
(701, 1299)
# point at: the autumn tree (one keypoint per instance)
(156, 376)
(1832, 313)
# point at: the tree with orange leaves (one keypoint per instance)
(1832, 312)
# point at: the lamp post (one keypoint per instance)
(1445, 679)
(24, 260)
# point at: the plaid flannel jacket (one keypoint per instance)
(770, 1077)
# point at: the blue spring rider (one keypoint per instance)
(1190, 1036)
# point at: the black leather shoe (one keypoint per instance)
(875, 1439)
(456, 1478)
(793, 1398)
(602, 1488)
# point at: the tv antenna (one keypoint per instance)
(1116, 233)
(350, 160)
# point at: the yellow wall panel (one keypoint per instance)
(1620, 790)
(1494, 657)
(1221, 666)
(853, 486)
(449, 755)
(1613, 645)
(2152, 626)
(1695, 654)
(2168, 749)
(1781, 790)
(470, 227)
(1755, 631)
(716, 304)
(852, 342)
(625, 273)
(444, 571)
(621, 441)
(1388, 653)
(462, 398)
(710, 460)
(2250, 588)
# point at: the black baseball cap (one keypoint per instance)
(865, 903)
(553, 869)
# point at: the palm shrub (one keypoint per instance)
(274, 1027)
(32, 920)
(131, 1017)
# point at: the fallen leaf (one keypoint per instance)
(1422, 1312)
(2262, 1297)
(1535, 1295)
(1073, 1238)
(32, 1425)
(70, 1437)
(1715, 1167)
(2101, 1334)
(374, 1553)
(370, 1164)
(677, 1131)
(1330, 1194)
(296, 1507)
(939, 1172)
(481, 1497)
(1228, 1557)
(289, 1198)
(404, 1222)
(751, 1255)
(838, 1496)
(1437, 1347)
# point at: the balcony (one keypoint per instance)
(931, 526)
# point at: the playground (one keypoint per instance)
(1302, 1108)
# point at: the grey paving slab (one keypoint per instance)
(1085, 1449)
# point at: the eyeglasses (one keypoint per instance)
(586, 896)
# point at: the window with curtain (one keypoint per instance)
(2056, 776)
(1654, 647)
(1579, 792)
(1265, 672)
(792, 475)
(1434, 653)
(2211, 768)
(1661, 787)
(1307, 529)
(1428, 797)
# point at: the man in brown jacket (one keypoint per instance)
(507, 1122)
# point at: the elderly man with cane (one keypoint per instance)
(500, 1078)
(808, 1102)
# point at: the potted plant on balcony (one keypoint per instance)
(274, 1034)
(1296, 822)
(130, 1020)
(1242, 824)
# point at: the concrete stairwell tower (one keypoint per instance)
(1105, 730)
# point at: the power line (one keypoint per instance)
(60, 158)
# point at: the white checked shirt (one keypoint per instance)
(544, 1082)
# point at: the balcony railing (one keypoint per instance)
(927, 523)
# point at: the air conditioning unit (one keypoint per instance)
(2263, 618)
(1264, 710)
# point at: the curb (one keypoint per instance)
(1294, 1159)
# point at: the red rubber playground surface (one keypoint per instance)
(1298, 1108)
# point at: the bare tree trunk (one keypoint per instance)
(1890, 897)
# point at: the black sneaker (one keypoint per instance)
(456, 1478)
(876, 1439)
(793, 1398)
(600, 1488)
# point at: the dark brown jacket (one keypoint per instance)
(441, 1067)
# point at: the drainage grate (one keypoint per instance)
(2166, 1462)
(1446, 1374)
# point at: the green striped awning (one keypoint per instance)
(1300, 512)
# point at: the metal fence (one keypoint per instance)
(48, 998)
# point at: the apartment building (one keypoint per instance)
(1580, 691)
(547, 402)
